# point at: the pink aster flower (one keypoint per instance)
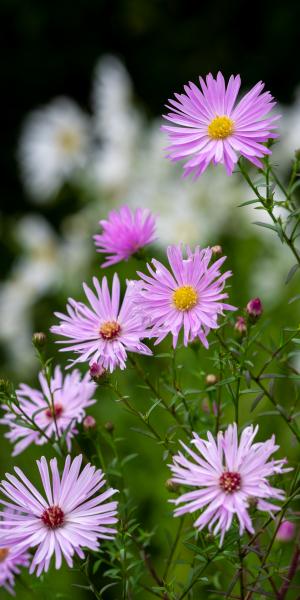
(71, 396)
(73, 515)
(104, 332)
(124, 233)
(11, 561)
(227, 475)
(190, 297)
(209, 126)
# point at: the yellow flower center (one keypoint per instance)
(3, 554)
(185, 297)
(68, 141)
(220, 128)
(109, 330)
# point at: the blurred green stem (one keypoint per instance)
(267, 204)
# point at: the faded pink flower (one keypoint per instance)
(104, 332)
(189, 298)
(124, 233)
(209, 126)
(226, 475)
(73, 516)
(71, 395)
(11, 561)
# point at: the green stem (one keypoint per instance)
(137, 414)
(266, 204)
(151, 386)
(173, 548)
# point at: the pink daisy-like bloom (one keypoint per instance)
(11, 562)
(124, 233)
(228, 475)
(105, 332)
(209, 126)
(73, 515)
(71, 395)
(190, 297)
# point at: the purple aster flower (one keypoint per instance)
(124, 233)
(10, 561)
(104, 332)
(210, 127)
(72, 516)
(191, 297)
(228, 474)
(71, 396)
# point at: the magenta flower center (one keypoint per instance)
(185, 297)
(4, 552)
(109, 330)
(230, 482)
(220, 128)
(54, 412)
(53, 517)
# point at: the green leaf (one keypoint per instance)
(255, 201)
(128, 458)
(256, 401)
(294, 298)
(292, 272)
(269, 226)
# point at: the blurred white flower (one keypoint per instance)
(269, 272)
(54, 145)
(187, 211)
(16, 327)
(116, 123)
(45, 264)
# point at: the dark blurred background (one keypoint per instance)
(50, 48)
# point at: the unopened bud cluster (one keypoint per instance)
(253, 311)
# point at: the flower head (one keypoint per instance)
(226, 475)
(10, 560)
(191, 297)
(73, 515)
(54, 412)
(104, 332)
(53, 147)
(124, 233)
(209, 126)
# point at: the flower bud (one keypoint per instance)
(211, 379)
(97, 372)
(109, 426)
(172, 486)
(217, 250)
(254, 308)
(89, 423)
(240, 325)
(39, 339)
(286, 531)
